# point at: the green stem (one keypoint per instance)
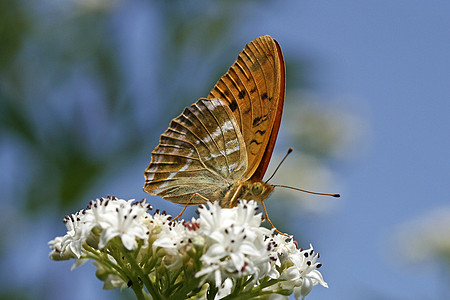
(138, 291)
(144, 277)
(104, 259)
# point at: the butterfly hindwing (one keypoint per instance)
(201, 152)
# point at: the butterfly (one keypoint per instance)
(219, 148)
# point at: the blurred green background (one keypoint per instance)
(87, 87)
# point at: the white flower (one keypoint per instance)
(173, 238)
(110, 217)
(72, 242)
(225, 289)
(283, 249)
(235, 243)
(160, 228)
(299, 268)
(56, 253)
(304, 272)
(122, 219)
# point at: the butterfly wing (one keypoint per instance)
(254, 89)
(201, 152)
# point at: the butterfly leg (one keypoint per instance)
(234, 199)
(186, 205)
(270, 222)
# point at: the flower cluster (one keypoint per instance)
(221, 254)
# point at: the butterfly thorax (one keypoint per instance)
(246, 190)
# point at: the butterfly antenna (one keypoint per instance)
(306, 191)
(279, 165)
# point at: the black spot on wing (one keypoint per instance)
(233, 105)
(264, 96)
(241, 94)
(255, 141)
(258, 120)
(261, 132)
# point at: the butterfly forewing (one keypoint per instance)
(254, 89)
(201, 152)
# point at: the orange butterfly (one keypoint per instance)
(219, 148)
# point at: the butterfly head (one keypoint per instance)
(257, 190)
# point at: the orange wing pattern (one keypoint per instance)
(254, 89)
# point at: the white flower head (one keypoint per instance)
(116, 217)
(72, 242)
(235, 243)
(56, 247)
(110, 217)
(283, 249)
(223, 251)
(173, 239)
(304, 272)
(298, 268)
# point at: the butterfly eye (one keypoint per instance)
(257, 188)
